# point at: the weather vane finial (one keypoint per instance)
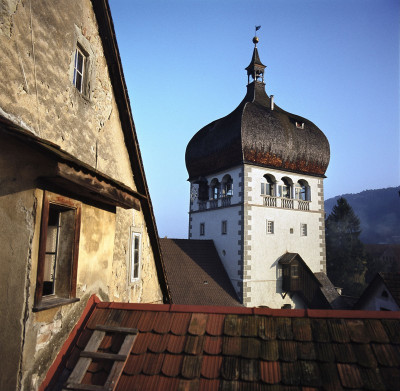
(255, 39)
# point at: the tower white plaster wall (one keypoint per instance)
(262, 283)
(229, 245)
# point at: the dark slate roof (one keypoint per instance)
(335, 300)
(236, 348)
(392, 282)
(253, 133)
(195, 273)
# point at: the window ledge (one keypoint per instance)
(53, 302)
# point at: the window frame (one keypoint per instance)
(41, 301)
(133, 235)
(202, 229)
(303, 229)
(82, 72)
(270, 224)
(224, 227)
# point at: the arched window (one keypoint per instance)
(268, 185)
(203, 189)
(227, 186)
(285, 190)
(215, 188)
(302, 190)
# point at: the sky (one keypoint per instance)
(334, 62)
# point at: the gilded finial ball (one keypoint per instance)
(255, 40)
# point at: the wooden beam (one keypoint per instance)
(97, 189)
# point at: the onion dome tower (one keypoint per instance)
(257, 190)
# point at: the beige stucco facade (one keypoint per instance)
(38, 41)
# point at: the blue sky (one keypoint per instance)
(335, 62)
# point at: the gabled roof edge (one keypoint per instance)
(102, 11)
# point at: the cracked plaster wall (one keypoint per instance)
(38, 40)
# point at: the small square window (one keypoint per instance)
(291, 230)
(202, 229)
(303, 229)
(270, 227)
(224, 227)
(135, 256)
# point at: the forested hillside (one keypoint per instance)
(378, 211)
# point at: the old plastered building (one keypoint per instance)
(257, 191)
(75, 213)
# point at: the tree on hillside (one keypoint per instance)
(345, 255)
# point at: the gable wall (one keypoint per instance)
(38, 41)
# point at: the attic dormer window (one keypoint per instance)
(300, 125)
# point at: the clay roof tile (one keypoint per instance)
(233, 325)
(344, 353)
(198, 324)
(146, 321)
(209, 385)
(392, 329)
(180, 323)
(172, 365)
(176, 343)
(269, 350)
(310, 374)
(250, 326)
(350, 376)
(191, 367)
(372, 379)
(338, 330)
(324, 352)
(230, 368)
(301, 329)
(386, 355)
(319, 330)
(284, 328)
(158, 343)
(249, 370)
(134, 364)
(357, 331)
(365, 356)
(212, 345)
(267, 328)
(250, 348)
(376, 330)
(153, 363)
(287, 350)
(211, 366)
(291, 373)
(270, 372)
(306, 351)
(215, 324)
(231, 346)
(163, 321)
(330, 377)
(194, 344)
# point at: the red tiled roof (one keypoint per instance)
(213, 348)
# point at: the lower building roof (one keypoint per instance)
(195, 273)
(234, 348)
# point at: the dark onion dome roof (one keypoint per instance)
(254, 133)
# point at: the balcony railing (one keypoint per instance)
(286, 203)
(226, 201)
(213, 204)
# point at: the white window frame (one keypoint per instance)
(80, 72)
(270, 227)
(303, 229)
(133, 252)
